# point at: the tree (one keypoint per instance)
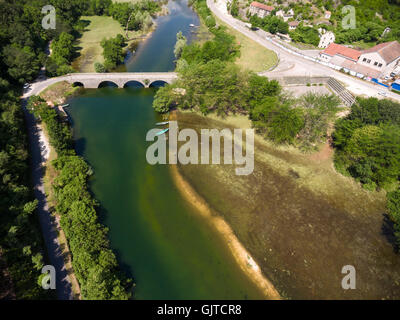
(285, 124)
(113, 51)
(99, 68)
(180, 44)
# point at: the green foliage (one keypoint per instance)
(367, 143)
(393, 206)
(20, 236)
(270, 23)
(284, 124)
(222, 47)
(181, 42)
(99, 68)
(62, 49)
(113, 51)
(305, 35)
(59, 133)
(94, 263)
(318, 112)
(135, 16)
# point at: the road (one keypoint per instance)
(48, 223)
(297, 66)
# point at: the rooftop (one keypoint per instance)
(389, 51)
(262, 6)
(334, 49)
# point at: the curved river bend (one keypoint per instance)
(159, 238)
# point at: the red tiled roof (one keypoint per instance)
(389, 51)
(262, 6)
(334, 49)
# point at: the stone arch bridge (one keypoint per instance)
(95, 80)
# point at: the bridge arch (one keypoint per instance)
(107, 84)
(158, 84)
(78, 84)
(134, 84)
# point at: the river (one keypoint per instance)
(160, 240)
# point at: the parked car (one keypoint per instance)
(383, 93)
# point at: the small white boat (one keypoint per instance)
(162, 132)
(191, 25)
(162, 123)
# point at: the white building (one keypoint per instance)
(285, 15)
(261, 10)
(383, 57)
(293, 25)
(325, 38)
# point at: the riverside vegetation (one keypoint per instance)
(94, 263)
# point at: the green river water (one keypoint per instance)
(159, 238)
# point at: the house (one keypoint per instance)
(285, 15)
(325, 38)
(261, 10)
(293, 25)
(328, 14)
(339, 53)
(383, 57)
(350, 60)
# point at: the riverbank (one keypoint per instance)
(48, 155)
(299, 219)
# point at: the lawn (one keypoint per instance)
(253, 56)
(98, 28)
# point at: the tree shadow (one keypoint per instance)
(388, 231)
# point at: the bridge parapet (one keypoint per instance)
(93, 80)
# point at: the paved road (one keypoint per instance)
(299, 66)
(47, 221)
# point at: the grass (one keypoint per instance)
(253, 56)
(99, 27)
(58, 92)
(300, 219)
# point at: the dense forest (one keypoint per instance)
(23, 46)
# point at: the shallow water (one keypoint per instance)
(160, 240)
